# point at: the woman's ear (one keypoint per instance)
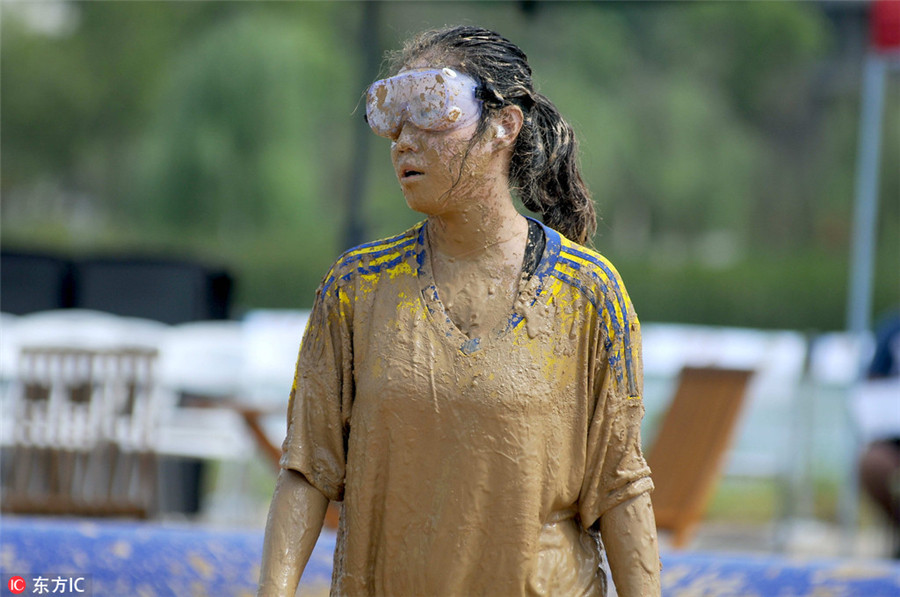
(506, 125)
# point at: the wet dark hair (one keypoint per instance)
(543, 168)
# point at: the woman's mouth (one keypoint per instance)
(409, 173)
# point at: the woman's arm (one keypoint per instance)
(295, 520)
(629, 536)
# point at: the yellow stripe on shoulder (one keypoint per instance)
(380, 251)
(382, 245)
(374, 248)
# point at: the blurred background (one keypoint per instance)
(720, 140)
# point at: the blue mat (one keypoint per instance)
(142, 559)
(689, 574)
(124, 559)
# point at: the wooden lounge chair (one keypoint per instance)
(689, 451)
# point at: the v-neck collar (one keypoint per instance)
(438, 314)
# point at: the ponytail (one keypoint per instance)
(546, 175)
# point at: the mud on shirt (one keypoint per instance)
(469, 466)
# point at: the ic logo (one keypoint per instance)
(16, 585)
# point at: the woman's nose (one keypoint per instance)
(406, 138)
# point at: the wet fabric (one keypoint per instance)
(469, 466)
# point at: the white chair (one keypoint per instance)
(271, 343)
(83, 328)
(203, 358)
(83, 439)
(9, 345)
(87, 410)
(203, 363)
(9, 352)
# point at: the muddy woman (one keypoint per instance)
(470, 390)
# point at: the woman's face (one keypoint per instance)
(437, 169)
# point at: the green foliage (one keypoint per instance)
(719, 140)
(802, 291)
(231, 147)
(48, 106)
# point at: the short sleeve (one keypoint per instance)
(321, 396)
(615, 467)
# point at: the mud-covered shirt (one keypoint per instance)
(468, 466)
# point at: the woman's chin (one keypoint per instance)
(424, 205)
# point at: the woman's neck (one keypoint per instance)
(481, 224)
(476, 260)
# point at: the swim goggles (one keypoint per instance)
(431, 99)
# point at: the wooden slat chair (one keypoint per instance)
(132, 424)
(689, 450)
(83, 440)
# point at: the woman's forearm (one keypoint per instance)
(629, 536)
(294, 523)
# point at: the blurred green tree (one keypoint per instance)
(718, 138)
(75, 96)
(233, 145)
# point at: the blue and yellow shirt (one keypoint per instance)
(469, 465)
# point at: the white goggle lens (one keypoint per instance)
(432, 99)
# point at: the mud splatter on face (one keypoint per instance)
(439, 171)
